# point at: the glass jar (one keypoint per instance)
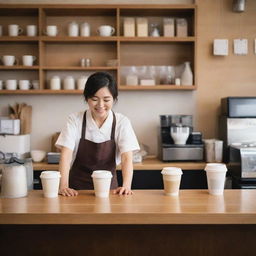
(132, 76)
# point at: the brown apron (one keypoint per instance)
(93, 156)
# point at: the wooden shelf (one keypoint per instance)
(69, 39)
(45, 91)
(155, 87)
(16, 67)
(156, 39)
(62, 53)
(19, 39)
(80, 68)
(121, 88)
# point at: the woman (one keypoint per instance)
(96, 139)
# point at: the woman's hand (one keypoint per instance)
(123, 191)
(68, 192)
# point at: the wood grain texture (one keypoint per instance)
(144, 207)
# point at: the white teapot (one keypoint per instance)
(73, 29)
(55, 83)
(69, 83)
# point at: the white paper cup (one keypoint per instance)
(216, 174)
(101, 183)
(50, 181)
(171, 178)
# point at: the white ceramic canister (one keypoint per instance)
(14, 181)
(55, 83)
(69, 83)
(85, 29)
(81, 81)
(73, 29)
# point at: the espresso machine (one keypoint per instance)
(238, 132)
(177, 140)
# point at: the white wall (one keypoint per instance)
(142, 108)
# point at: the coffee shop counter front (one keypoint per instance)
(146, 223)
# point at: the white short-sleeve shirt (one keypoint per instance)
(125, 137)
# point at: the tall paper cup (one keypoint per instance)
(216, 174)
(171, 178)
(101, 183)
(50, 181)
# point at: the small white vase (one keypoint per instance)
(187, 75)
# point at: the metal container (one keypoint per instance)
(85, 62)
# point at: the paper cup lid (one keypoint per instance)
(215, 167)
(50, 175)
(171, 171)
(102, 174)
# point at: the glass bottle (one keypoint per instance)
(154, 30)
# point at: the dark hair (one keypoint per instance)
(97, 81)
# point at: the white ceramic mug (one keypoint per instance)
(28, 60)
(106, 30)
(24, 84)
(51, 30)
(9, 60)
(14, 30)
(11, 84)
(31, 30)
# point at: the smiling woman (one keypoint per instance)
(96, 139)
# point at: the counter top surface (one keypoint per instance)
(144, 207)
(151, 163)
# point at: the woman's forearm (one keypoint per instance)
(127, 169)
(64, 166)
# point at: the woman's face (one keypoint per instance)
(101, 103)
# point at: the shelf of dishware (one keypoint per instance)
(56, 39)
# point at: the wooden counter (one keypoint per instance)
(151, 163)
(147, 223)
(144, 207)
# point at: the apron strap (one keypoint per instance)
(112, 131)
(113, 127)
(83, 126)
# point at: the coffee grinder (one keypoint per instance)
(188, 145)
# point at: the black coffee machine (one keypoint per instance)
(191, 151)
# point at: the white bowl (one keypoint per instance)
(38, 155)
